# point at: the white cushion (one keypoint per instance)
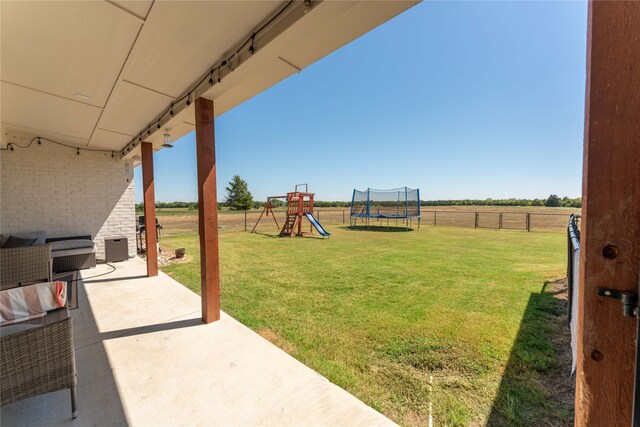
(70, 252)
(60, 245)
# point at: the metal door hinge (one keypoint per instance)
(629, 300)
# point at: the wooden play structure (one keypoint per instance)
(299, 206)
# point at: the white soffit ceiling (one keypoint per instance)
(126, 98)
(54, 114)
(138, 8)
(66, 48)
(133, 58)
(181, 40)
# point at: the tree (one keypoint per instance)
(553, 201)
(238, 195)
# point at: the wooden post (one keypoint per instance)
(151, 238)
(477, 220)
(610, 238)
(208, 211)
(435, 218)
(300, 209)
(245, 220)
(528, 221)
(500, 221)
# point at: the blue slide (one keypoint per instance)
(316, 224)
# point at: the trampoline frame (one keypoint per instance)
(407, 219)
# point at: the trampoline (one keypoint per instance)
(399, 204)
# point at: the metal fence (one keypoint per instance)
(521, 220)
(499, 220)
(187, 221)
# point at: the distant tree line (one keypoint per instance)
(551, 201)
(171, 205)
(165, 205)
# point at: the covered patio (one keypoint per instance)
(144, 357)
(92, 89)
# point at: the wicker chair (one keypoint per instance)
(23, 266)
(36, 356)
(39, 360)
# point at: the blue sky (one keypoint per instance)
(459, 99)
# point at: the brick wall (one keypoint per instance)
(49, 187)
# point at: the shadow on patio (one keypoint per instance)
(538, 370)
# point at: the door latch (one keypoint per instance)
(629, 300)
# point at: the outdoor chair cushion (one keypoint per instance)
(40, 237)
(71, 252)
(29, 302)
(71, 247)
(60, 245)
(18, 242)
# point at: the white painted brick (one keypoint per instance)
(48, 187)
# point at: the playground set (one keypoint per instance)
(299, 206)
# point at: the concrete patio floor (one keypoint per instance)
(145, 358)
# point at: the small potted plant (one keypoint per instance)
(180, 252)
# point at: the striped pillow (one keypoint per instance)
(29, 302)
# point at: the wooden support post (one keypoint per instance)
(610, 238)
(208, 211)
(528, 221)
(500, 221)
(477, 220)
(265, 210)
(149, 209)
(272, 216)
(300, 210)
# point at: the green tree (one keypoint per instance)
(552, 201)
(238, 195)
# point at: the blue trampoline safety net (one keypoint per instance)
(395, 203)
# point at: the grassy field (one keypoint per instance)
(380, 314)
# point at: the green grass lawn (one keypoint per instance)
(380, 313)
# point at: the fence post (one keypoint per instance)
(318, 216)
(343, 216)
(245, 220)
(500, 221)
(528, 221)
(475, 225)
(435, 218)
